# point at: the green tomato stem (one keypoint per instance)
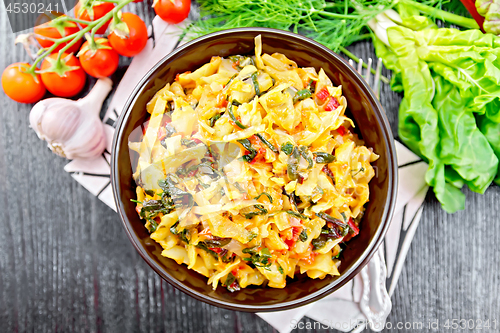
(103, 22)
(28, 70)
(73, 38)
(78, 36)
(76, 20)
(92, 43)
(115, 16)
(443, 15)
(44, 54)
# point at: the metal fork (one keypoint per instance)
(367, 76)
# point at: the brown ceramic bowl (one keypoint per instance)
(370, 121)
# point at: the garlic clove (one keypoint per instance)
(90, 132)
(57, 125)
(73, 129)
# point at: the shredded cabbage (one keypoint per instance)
(241, 171)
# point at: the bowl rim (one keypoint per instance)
(355, 268)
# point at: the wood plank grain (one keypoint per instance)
(66, 264)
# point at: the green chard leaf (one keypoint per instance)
(231, 114)
(153, 224)
(231, 283)
(419, 121)
(338, 254)
(261, 211)
(230, 279)
(287, 148)
(267, 195)
(255, 83)
(304, 152)
(204, 246)
(214, 119)
(491, 129)
(258, 258)
(181, 234)
(298, 215)
(462, 145)
(248, 146)
(267, 143)
(460, 71)
(303, 235)
(177, 196)
(293, 164)
(151, 193)
(324, 158)
(301, 95)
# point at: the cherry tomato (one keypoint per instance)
(101, 62)
(20, 86)
(68, 84)
(173, 11)
(95, 12)
(137, 39)
(57, 29)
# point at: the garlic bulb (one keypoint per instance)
(73, 129)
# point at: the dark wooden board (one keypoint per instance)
(66, 264)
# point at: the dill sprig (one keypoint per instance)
(334, 24)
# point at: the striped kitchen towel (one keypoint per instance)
(364, 300)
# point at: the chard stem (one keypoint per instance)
(443, 15)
